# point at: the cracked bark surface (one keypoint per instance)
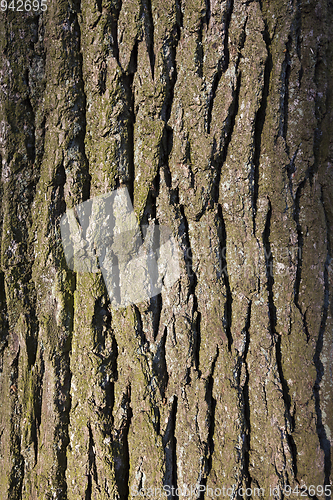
(217, 117)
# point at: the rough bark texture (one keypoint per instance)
(217, 116)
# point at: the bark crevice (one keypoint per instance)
(16, 476)
(325, 443)
(149, 33)
(211, 403)
(259, 124)
(170, 445)
(276, 340)
(120, 446)
(228, 302)
(284, 101)
(222, 63)
(300, 243)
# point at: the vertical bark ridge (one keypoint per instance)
(169, 443)
(228, 300)
(321, 430)
(242, 381)
(216, 117)
(324, 345)
(260, 119)
(285, 76)
(63, 181)
(20, 154)
(93, 339)
(302, 320)
(3, 320)
(149, 33)
(300, 241)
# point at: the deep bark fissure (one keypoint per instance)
(63, 406)
(241, 385)
(323, 439)
(167, 104)
(4, 325)
(291, 170)
(285, 76)
(188, 256)
(159, 365)
(31, 119)
(156, 306)
(80, 137)
(290, 420)
(228, 302)
(152, 381)
(180, 13)
(298, 26)
(143, 342)
(169, 442)
(20, 275)
(229, 133)
(227, 21)
(149, 213)
(259, 125)
(105, 350)
(211, 97)
(169, 59)
(32, 325)
(120, 446)
(89, 487)
(149, 33)
(41, 121)
(61, 361)
(102, 78)
(127, 81)
(92, 469)
(211, 403)
(276, 339)
(199, 52)
(88, 491)
(246, 402)
(195, 326)
(78, 141)
(115, 11)
(38, 404)
(321, 431)
(17, 470)
(208, 12)
(99, 5)
(300, 243)
(321, 80)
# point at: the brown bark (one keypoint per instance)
(217, 117)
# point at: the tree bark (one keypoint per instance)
(217, 117)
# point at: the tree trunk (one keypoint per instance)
(217, 117)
